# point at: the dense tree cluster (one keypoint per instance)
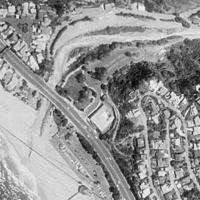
(99, 73)
(80, 77)
(24, 27)
(185, 60)
(125, 128)
(86, 18)
(123, 82)
(135, 16)
(181, 74)
(193, 194)
(62, 91)
(182, 21)
(112, 30)
(156, 5)
(128, 167)
(92, 55)
(60, 6)
(128, 54)
(59, 118)
(84, 94)
(46, 66)
(172, 6)
(100, 52)
(125, 108)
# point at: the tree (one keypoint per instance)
(23, 27)
(184, 59)
(125, 128)
(125, 108)
(62, 91)
(104, 87)
(80, 77)
(59, 118)
(38, 104)
(58, 5)
(58, 89)
(100, 73)
(65, 93)
(128, 54)
(83, 94)
(45, 66)
(128, 79)
(3, 3)
(192, 194)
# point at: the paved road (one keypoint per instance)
(71, 113)
(171, 169)
(149, 168)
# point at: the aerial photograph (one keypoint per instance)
(99, 99)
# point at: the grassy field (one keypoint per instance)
(117, 59)
(74, 88)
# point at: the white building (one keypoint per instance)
(11, 10)
(32, 8)
(40, 57)
(3, 12)
(33, 63)
(25, 7)
(138, 6)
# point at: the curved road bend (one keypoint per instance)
(72, 114)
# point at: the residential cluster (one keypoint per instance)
(159, 151)
(193, 132)
(26, 8)
(12, 82)
(168, 149)
(175, 100)
(21, 48)
(179, 154)
(179, 119)
(26, 29)
(144, 184)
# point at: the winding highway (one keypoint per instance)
(69, 112)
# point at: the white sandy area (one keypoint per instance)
(52, 183)
(111, 20)
(60, 67)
